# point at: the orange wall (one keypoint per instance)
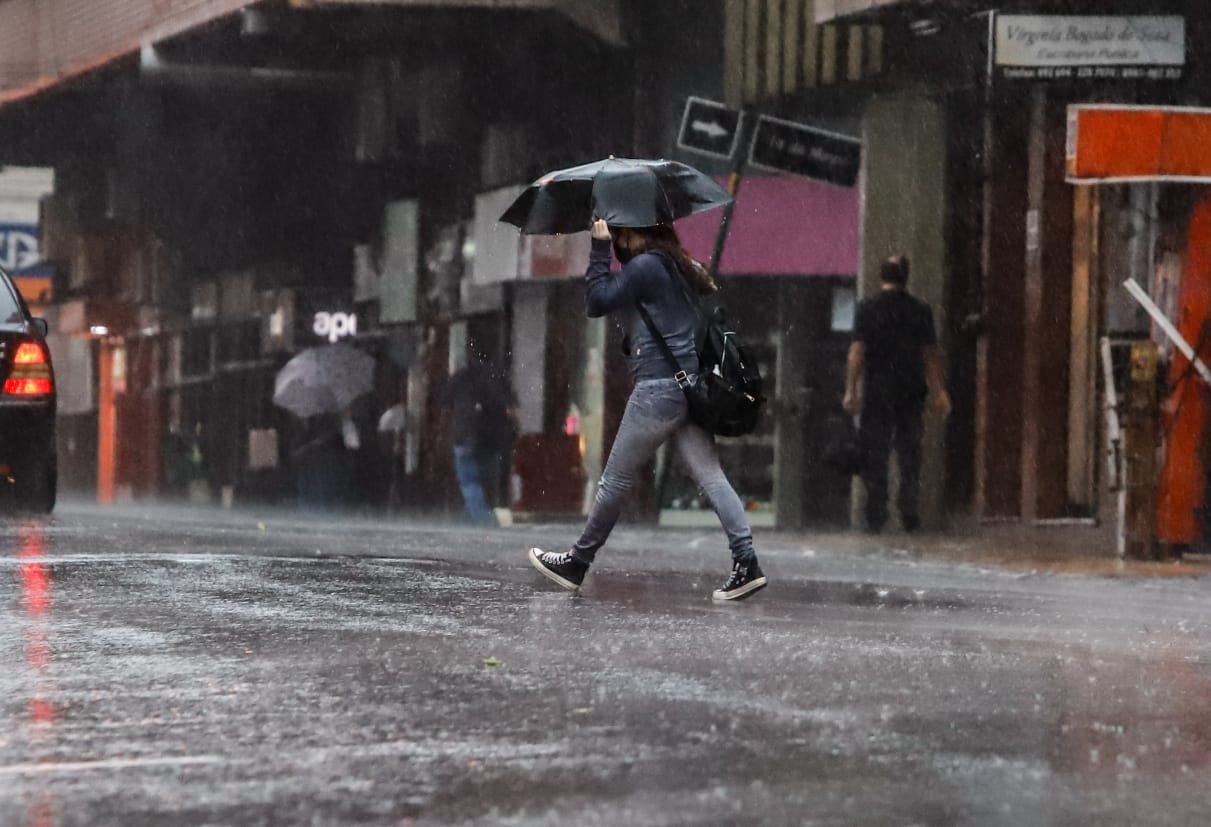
(1180, 494)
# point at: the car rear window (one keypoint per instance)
(10, 310)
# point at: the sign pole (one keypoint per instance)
(739, 154)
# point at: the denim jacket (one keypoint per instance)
(650, 279)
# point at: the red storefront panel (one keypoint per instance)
(1138, 143)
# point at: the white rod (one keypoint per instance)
(1120, 529)
(1114, 451)
(1113, 430)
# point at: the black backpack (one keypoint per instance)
(725, 395)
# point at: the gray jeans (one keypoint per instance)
(655, 413)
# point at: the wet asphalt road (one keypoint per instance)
(192, 667)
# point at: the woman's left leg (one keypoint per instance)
(701, 457)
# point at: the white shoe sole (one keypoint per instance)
(743, 591)
(550, 575)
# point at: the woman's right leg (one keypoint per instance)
(655, 410)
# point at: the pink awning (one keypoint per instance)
(783, 225)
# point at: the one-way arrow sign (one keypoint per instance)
(709, 128)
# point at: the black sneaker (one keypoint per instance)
(746, 578)
(561, 567)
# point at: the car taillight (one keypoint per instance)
(30, 374)
(29, 353)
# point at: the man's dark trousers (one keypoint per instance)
(886, 423)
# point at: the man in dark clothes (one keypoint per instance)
(483, 416)
(893, 361)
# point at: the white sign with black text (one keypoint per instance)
(1068, 47)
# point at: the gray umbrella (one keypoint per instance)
(626, 192)
(325, 379)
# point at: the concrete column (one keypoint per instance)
(789, 400)
(903, 212)
(529, 355)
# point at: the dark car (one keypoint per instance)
(28, 469)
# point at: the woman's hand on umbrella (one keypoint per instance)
(601, 230)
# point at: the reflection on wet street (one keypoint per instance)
(192, 667)
(35, 594)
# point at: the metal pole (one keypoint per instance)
(733, 188)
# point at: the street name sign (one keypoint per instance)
(709, 128)
(804, 150)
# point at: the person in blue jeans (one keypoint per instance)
(483, 416)
(656, 411)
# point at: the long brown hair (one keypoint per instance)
(663, 238)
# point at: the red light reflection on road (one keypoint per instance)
(42, 810)
(36, 600)
(35, 579)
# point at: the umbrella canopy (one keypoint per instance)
(626, 192)
(325, 379)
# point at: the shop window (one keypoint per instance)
(844, 300)
(239, 342)
(195, 353)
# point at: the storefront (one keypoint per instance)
(1142, 256)
(787, 279)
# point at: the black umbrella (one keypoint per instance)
(624, 191)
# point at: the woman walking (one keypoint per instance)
(653, 260)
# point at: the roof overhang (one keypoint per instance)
(829, 10)
(1110, 143)
(48, 42)
(600, 18)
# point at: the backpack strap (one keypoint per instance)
(683, 379)
(700, 327)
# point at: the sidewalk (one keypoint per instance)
(1055, 549)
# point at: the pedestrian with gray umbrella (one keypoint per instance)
(656, 413)
(633, 204)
